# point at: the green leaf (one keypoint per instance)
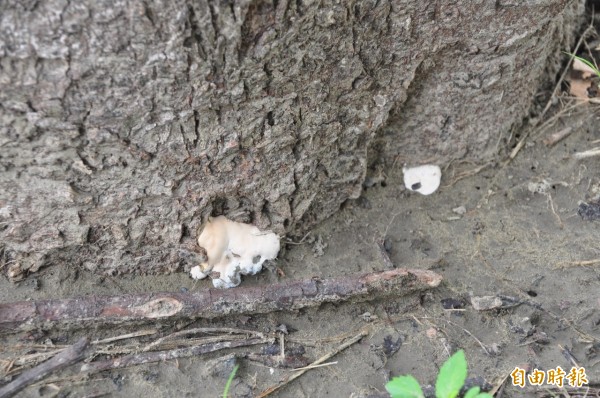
(585, 61)
(229, 380)
(452, 376)
(404, 387)
(472, 393)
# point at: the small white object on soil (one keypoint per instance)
(539, 187)
(233, 249)
(460, 210)
(485, 303)
(422, 179)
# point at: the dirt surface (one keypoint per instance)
(517, 235)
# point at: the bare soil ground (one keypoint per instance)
(518, 236)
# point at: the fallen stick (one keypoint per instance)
(559, 135)
(126, 336)
(60, 361)
(188, 332)
(160, 356)
(586, 154)
(582, 263)
(210, 303)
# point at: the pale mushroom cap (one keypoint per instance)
(422, 179)
(234, 249)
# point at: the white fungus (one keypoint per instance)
(422, 179)
(233, 249)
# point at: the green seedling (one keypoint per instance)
(588, 63)
(450, 380)
(229, 380)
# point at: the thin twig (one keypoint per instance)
(587, 154)
(201, 330)
(499, 388)
(518, 147)
(317, 366)
(60, 361)
(319, 361)
(568, 356)
(333, 339)
(35, 358)
(582, 263)
(468, 173)
(464, 330)
(551, 202)
(126, 336)
(160, 356)
(554, 138)
(301, 241)
(552, 120)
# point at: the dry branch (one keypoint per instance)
(552, 139)
(61, 360)
(211, 303)
(188, 332)
(587, 154)
(160, 356)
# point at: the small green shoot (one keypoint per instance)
(588, 63)
(452, 376)
(404, 387)
(229, 380)
(450, 380)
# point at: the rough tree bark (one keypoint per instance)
(123, 124)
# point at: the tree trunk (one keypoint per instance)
(124, 124)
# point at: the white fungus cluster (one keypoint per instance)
(422, 179)
(233, 249)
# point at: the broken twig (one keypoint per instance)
(189, 332)
(587, 154)
(211, 303)
(126, 336)
(60, 361)
(552, 139)
(582, 263)
(159, 356)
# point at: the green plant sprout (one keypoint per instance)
(588, 63)
(450, 380)
(229, 380)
